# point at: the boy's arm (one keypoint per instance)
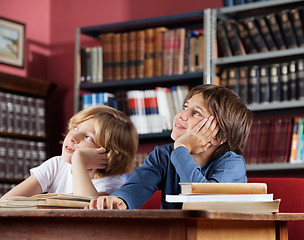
(27, 188)
(85, 161)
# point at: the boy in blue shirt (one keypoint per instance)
(209, 136)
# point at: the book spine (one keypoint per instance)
(284, 82)
(3, 150)
(275, 88)
(10, 158)
(300, 78)
(25, 115)
(292, 78)
(132, 63)
(233, 80)
(255, 34)
(3, 112)
(193, 56)
(140, 60)
(107, 46)
(287, 30)
(246, 39)
(94, 59)
(297, 24)
(224, 77)
(253, 85)
(233, 38)
(294, 143)
(266, 34)
(124, 56)
(243, 84)
(168, 52)
(40, 117)
(10, 112)
(83, 65)
(149, 53)
(201, 52)
(99, 65)
(223, 40)
(88, 65)
(264, 84)
(158, 50)
(117, 57)
(275, 30)
(178, 55)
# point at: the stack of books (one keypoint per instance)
(227, 197)
(47, 201)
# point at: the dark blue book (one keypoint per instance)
(228, 3)
(238, 2)
(300, 78)
(275, 83)
(264, 84)
(254, 85)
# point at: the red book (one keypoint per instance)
(168, 52)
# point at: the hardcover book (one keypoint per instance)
(149, 53)
(255, 34)
(224, 188)
(297, 26)
(222, 40)
(246, 39)
(139, 60)
(275, 30)
(233, 38)
(267, 206)
(287, 29)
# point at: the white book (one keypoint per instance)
(219, 198)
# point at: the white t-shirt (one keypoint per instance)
(55, 176)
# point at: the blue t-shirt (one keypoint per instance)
(165, 167)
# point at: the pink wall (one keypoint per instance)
(50, 38)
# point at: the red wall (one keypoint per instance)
(50, 35)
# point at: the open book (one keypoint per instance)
(48, 200)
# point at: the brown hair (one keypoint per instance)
(233, 117)
(115, 132)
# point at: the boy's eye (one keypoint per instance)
(185, 107)
(197, 113)
(89, 138)
(75, 127)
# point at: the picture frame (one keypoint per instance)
(12, 42)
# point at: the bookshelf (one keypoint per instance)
(282, 108)
(23, 132)
(188, 21)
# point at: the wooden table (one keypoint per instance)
(143, 224)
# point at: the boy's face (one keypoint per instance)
(193, 111)
(81, 136)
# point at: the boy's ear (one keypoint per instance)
(216, 142)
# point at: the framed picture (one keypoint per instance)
(12, 38)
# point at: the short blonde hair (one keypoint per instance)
(115, 132)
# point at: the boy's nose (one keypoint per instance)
(183, 115)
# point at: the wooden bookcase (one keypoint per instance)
(193, 20)
(23, 131)
(269, 109)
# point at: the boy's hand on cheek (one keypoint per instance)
(92, 158)
(199, 137)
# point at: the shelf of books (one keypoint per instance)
(23, 137)
(143, 67)
(261, 58)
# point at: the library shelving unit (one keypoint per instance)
(23, 131)
(292, 107)
(192, 20)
